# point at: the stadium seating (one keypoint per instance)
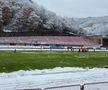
(49, 40)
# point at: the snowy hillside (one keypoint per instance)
(94, 25)
(25, 15)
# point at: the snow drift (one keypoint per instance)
(51, 77)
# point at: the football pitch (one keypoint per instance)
(13, 61)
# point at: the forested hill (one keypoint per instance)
(94, 25)
(27, 16)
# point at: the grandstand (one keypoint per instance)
(48, 40)
(48, 43)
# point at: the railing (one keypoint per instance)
(96, 86)
(68, 87)
(86, 86)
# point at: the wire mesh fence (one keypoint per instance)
(86, 86)
(96, 86)
(68, 87)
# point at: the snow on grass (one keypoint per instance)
(51, 77)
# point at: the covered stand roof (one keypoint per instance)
(62, 40)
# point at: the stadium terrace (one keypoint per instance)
(48, 41)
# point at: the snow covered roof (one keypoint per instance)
(61, 40)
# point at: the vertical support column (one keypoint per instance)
(101, 41)
(82, 87)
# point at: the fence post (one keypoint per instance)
(82, 87)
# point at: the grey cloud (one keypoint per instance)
(76, 8)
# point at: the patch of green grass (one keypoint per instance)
(10, 61)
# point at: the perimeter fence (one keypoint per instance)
(86, 86)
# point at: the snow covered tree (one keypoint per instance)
(27, 16)
(6, 15)
(1, 25)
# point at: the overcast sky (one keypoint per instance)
(76, 8)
